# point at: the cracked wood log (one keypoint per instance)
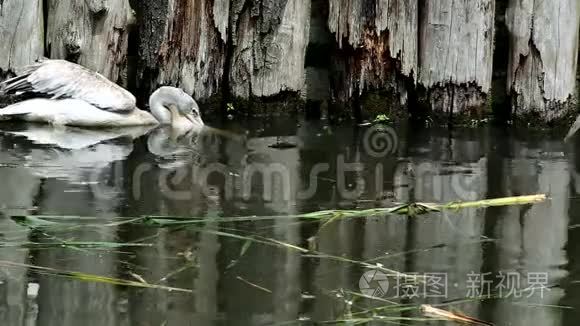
(377, 45)
(182, 43)
(543, 57)
(269, 39)
(21, 34)
(456, 53)
(93, 33)
(259, 46)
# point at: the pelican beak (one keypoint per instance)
(190, 117)
(225, 133)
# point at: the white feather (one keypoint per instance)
(64, 79)
(73, 112)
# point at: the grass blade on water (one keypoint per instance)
(412, 209)
(85, 277)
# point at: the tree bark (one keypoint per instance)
(543, 56)
(377, 44)
(270, 39)
(93, 33)
(182, 43)
(21, 34)
(439, 51)
(456, 53)
(259, 46)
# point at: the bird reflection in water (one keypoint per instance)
(67, 153)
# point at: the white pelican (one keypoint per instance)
(72, 95)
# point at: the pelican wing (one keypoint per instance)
(63, 79)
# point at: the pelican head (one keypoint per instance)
(170, 105)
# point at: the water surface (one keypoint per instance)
(281, 167)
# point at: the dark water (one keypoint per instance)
(524, 257)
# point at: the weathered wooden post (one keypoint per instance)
(378, 43)
(456, 53)
(269, 39)
(258, 47)
(93, 33)
(21, 34)
(182, 43)
(543, 57)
